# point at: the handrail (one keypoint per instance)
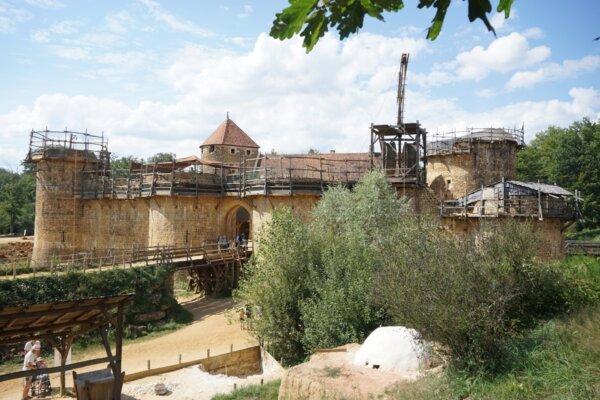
(125, 258)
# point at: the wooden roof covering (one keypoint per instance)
(228, 133)
(65, 318)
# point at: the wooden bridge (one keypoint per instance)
(211, 268)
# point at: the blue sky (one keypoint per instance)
(158, 75)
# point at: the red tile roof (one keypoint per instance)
(228, 133)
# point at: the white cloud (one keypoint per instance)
(118, 22)
(44, 3)
(533, 33)
(497, 20)
(554, 71)
(11, 16)
(247, 10)
(66, 27)
(505, 54)
(536, 115)
(70, 52)
(285, 99)
(485, 93)
(175, 23)
(239, 40)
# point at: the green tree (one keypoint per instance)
(161, 157)
(17, 198)
(322, 274)
(569, 157)
(312, 18)
(122, 163)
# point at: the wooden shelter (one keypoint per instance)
(60, 323)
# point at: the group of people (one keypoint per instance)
(240, 240)
(33, 361)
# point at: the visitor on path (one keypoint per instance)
(29, 363)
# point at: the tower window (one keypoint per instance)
(211, 149)
(232, 151)
(248, 152)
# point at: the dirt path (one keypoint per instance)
(210, 330)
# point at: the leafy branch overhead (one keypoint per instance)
(312, 18)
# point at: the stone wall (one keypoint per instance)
(454, 175)
(57, 212)
(227, 154)
(73, 226)
(549, 232)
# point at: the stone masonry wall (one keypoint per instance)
(454, 175)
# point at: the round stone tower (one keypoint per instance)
(228, 144)
(458, 165)
(62, 167)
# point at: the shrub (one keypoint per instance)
(148, 284)
(314, 283)
(366, 260)
(474, 294)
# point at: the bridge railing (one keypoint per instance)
(99, 259)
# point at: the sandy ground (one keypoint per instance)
(333, 375)
(9, 239)
(210, 330)
(193, 384)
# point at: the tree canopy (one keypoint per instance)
(313, 18)
(569, 157)
(17, 201)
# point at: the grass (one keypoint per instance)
(558, 360)
(585, 234)
(268, 391)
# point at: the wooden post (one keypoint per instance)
(266, 175)
(119, 353)
(290, 173)
(207, 353)
(172, 176)
(321, 172)
(540, 216)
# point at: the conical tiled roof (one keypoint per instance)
(228, 133)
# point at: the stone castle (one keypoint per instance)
(85, 206)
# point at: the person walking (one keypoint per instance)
(29, 363)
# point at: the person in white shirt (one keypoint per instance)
(28, 365)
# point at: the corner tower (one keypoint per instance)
(461, 162)
(228, 144)
(64, 162)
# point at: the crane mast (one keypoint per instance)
(401, 87)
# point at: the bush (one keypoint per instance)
(313, 284)
(558, 359)
(148, 284)
(366, 260)
(473, 295)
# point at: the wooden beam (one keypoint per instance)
(51, 370)
(119, 352)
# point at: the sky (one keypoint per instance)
(159, 76)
